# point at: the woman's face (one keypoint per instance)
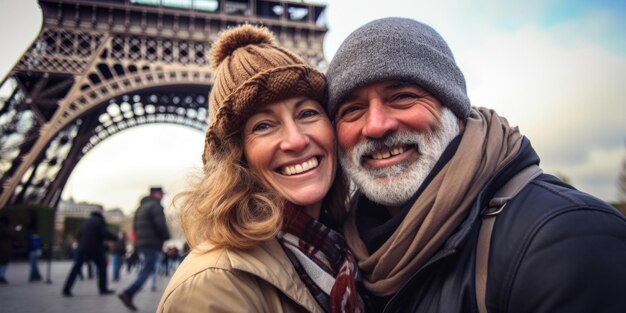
(290, 145)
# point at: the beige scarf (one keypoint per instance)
(488, 144)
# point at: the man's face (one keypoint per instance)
(390, 136)
(157, 195)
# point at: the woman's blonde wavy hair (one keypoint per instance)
(229, 207)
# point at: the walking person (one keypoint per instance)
(91, 247)
(158, 271)
(452, 213)
(150, 228)
(131, 259)
(34, 253)
(6, 246)
(173, 257)
(118, 251)
(261, 222)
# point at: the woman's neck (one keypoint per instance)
(312, 210)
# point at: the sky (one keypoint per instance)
(555, 68)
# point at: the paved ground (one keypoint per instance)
(20, 296)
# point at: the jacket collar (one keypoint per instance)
(267, 261)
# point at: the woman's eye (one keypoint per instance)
(309, 113)
(260, 127)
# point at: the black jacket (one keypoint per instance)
(149, 225)
(92, 234)
(7, 235)
(553, 249)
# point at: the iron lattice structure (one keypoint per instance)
(100, 67)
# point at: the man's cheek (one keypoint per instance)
(344, 138)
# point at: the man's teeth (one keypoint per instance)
(299, 168)
(387, 154)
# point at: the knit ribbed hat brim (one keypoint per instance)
(397, 49)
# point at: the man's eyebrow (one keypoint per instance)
(349, 97)
(400, 85)
(394, 86)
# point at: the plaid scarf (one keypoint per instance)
(323, 261)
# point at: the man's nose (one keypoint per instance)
(379, 122)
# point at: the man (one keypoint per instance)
(7, 235)
(91, 236)
(150, 232)
(427, 164)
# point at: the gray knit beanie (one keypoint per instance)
(397, 49)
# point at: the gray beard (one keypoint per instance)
(394, 185)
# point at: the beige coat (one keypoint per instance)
(261, 279)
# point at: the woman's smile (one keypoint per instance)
(290, 146)
(300, 168)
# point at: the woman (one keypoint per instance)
(269, 162)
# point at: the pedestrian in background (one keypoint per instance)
(91, 236)
(118, 250)
(173, 258)
(131, 258)
(6, 246)
(150, 233)
(34, 253)
(158, 271)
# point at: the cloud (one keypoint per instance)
(546, 66)
(598, 173)
(567, 98)
(346, 16)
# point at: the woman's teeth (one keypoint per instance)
(387, 154)
(299, 168)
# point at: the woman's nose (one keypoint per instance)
(294, 138)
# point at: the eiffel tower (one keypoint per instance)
(100, 67)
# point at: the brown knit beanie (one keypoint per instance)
(252, 71)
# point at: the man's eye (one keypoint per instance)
(346, 111)
(404, 98)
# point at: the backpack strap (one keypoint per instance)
(496, 205)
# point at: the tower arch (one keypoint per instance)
(100, 67)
